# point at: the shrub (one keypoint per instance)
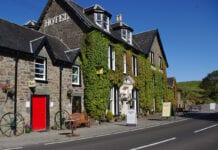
(109, 116)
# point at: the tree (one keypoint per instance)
(210, 85)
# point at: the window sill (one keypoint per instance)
(76, 85)
(42, 81)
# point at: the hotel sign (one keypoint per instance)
(56, 19)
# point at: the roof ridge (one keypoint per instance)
(57, 38)
(155, 29)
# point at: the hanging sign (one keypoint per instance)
(99, 71)
(31, 84)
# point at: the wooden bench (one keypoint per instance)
(80, 119)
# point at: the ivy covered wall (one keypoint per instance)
(94, 56)
(97, 87)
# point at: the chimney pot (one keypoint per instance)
(119, 18)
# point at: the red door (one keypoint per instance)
(38, 113)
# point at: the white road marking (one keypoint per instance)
(200, 130)
(153, 144)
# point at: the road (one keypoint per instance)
(199, 132)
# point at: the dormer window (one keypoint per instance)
(102, 21)
(126, 35)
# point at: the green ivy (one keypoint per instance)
(116, 77)
(97, 86)
(94, 56)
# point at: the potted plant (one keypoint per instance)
(27, 128)
(8, 88)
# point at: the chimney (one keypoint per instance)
(119, 18)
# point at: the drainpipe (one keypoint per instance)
(60, 96)
(15, 95)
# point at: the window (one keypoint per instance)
(135, 103)
(124, 63)
(152, 58)
(126, 35)
(105, 22)
(154, 104)
(160, 63)
(40, 69)
(111, 58)
(114, 100)
(153, 81)
(102, 21)
(98, 19)
(76, 75)
(134, 66)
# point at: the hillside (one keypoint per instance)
(191, 91)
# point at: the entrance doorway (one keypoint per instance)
(76, 104)
(39, 113)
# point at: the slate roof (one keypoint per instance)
(24, 40)
(145, 40)
(141, 43)
(77, 12)
(97, 8)
(72, 54)
(119, 25)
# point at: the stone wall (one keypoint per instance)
(157, 51)
(26, 72)
(7, 70)
(68, 30)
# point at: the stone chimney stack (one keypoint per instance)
(119, 18)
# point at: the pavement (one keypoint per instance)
(59, 136)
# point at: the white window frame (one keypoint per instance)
(134, 65)
(129, 37)
(76, 74)
(43, 68)
(124, 64)
(153, 81)
(101, 22)
(152, 57)
(154, 104)
(111, 58)
(160, 62)
(114, 100)
(126, 35)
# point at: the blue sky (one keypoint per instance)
(188, 28)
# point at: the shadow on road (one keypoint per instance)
(210, 116)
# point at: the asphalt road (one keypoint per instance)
(199, 132)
